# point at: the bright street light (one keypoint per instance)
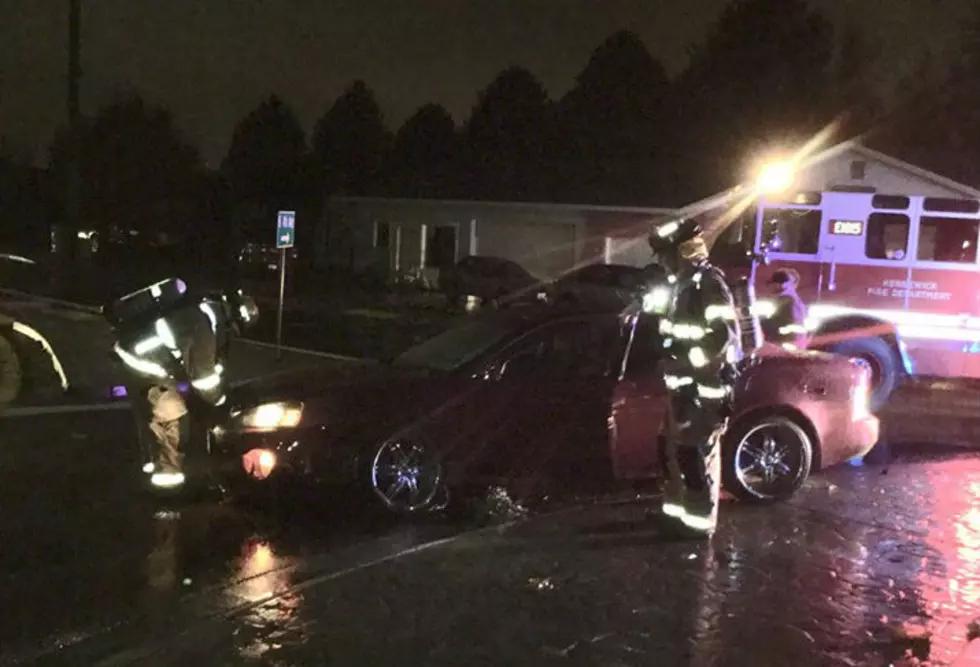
(775, 177)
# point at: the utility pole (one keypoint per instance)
(68, 236)
(74, 58)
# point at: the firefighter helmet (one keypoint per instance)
(668, 236)
(242, 308)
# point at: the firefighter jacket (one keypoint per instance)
(787, 326)
(182, 345)
(700, 334)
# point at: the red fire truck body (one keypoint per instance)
(896, 269)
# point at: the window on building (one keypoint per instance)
(948, 239)
(382, 234)
(441, 247)
(887, 236)
(858, 168)
(798, 229)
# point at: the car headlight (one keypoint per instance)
(270, 416)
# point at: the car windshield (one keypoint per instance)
(455, 347)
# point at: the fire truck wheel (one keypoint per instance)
(884, 365)
(10, 375)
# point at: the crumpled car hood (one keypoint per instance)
(351, 395)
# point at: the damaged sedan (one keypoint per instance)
(530, 398)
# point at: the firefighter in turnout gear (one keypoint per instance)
(787, 325)
(701, 350)
(170, 338)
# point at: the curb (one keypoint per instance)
(55, 302)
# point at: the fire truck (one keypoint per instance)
(891, 279)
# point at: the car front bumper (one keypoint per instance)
(300, 457)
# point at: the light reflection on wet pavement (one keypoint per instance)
(842, 575)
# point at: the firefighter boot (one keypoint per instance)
(701, 508)
(167, 472)
(675, 498)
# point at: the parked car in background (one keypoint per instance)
(526, 396)
(489, 279)
(612, 285)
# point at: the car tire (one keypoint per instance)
(767, 435)
(884, 366)
(398, 466)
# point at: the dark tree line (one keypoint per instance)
(769, 73)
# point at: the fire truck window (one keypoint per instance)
(948, 240)
(894, 202)
(799, 229)
(888, 236)
(950, 205)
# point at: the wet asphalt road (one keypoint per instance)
(91, 574)
(86, 553)
(95, 572)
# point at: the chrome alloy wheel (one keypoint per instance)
(405, 478)
(772, 459)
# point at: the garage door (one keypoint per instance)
(545, 249)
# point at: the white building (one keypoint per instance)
(398, 236)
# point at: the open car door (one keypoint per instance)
(639, 401)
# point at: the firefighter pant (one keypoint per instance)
(168, 440)
(692, 458)
(161, 442)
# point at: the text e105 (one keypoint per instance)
(847, 227)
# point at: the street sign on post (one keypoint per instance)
(286, 229)
(285, 238)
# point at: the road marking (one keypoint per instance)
(37, 410)
(373, 313)
(302, 350)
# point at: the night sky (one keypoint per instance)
(211, 61)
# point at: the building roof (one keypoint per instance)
(732, 195)
(507, 204)
(918, 172)
(724, 198)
